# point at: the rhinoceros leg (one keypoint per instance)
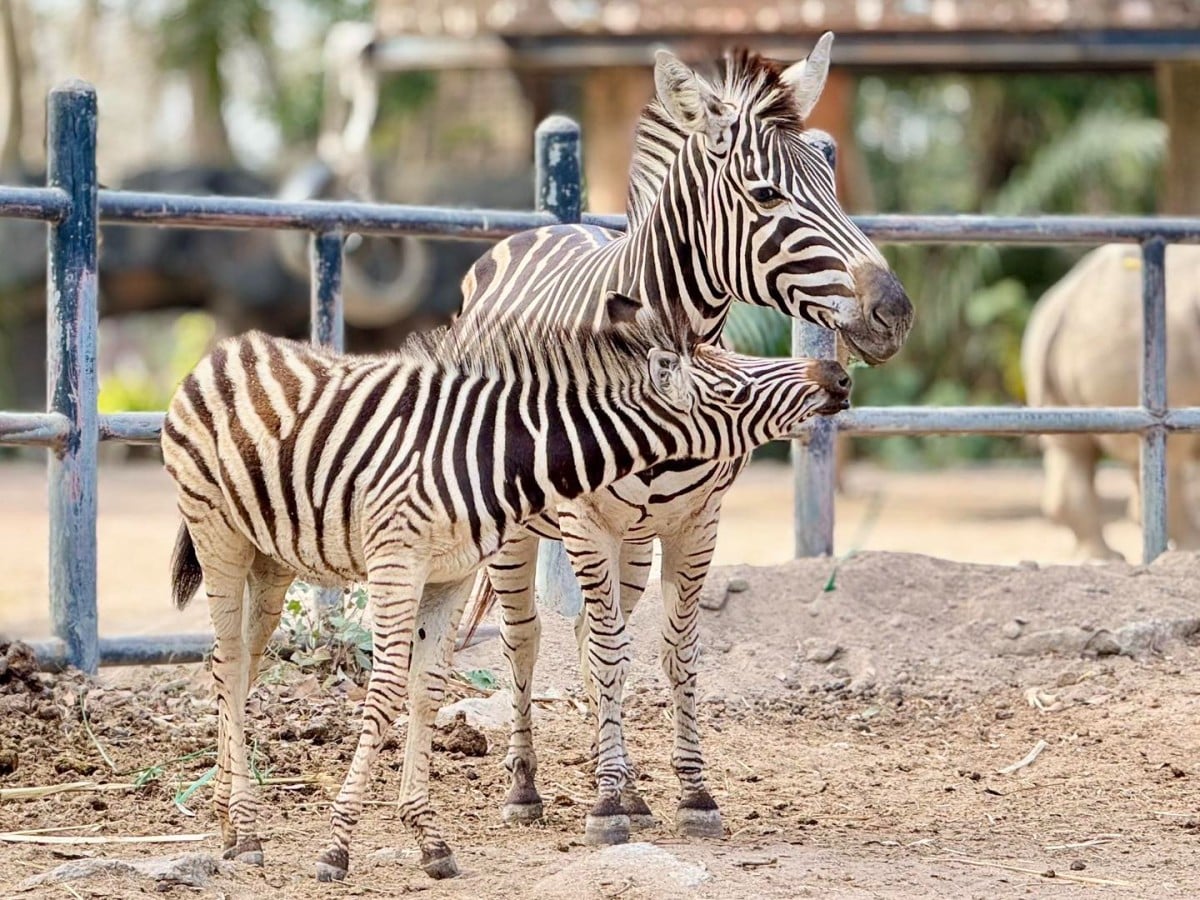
(1070, 492)
(1181, 521)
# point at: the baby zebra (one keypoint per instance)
(408, 471)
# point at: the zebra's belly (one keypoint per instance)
(641, 507)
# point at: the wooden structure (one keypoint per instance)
(606, 48)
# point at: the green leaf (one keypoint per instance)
(482, 679)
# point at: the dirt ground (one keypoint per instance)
(855, 739)
(988, 515)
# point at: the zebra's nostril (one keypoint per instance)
(844, 382)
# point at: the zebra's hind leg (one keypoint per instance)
(395, 586)
(225, 557)
(595, 556)
(438, 615)
(511, 575)
(686, 558)
(268, 583)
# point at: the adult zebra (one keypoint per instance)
(730, 199)
(407, 472)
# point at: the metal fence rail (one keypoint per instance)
(72, 206)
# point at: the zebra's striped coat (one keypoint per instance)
(730, 199)
(407, 472)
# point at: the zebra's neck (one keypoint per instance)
(569, 434)
(669, 265)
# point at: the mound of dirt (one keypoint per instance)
(891, 726)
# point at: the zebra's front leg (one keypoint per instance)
(438, 615)
(595, 556)
(395, 586)
(635, 572)
(686, 557)
(511, 576)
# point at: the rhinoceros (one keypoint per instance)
(1082, 347)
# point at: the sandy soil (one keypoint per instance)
(973, 515)
(855, 740)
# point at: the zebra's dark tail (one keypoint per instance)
(483, 598)
(185, 569)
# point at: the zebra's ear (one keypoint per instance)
(807, 77)
(690, 101)
(667, 377)
(620, 310)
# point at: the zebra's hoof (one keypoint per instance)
(249, 852)
(699, 823)
(521, 813)
(439, 863)
(601, 831)
(640, 816)
(332, 865)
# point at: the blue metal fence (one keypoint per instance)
(72, 206)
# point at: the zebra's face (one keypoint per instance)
(761, 399)
(790, 245)
(769, 228)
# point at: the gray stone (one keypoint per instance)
(191, 869)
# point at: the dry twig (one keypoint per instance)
(15, 837)
(1048, 875)
(1024, 761)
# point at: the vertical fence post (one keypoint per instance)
(328, 329)
(559, 190)
(558, 167)
(71, 385)
(328, 318)
(814, 460)
(1153, 472)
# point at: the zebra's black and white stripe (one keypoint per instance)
(407, 472)
(730, 199)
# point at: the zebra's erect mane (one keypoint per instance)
(750, 82)
(516, 348)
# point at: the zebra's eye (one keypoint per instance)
(766, 195)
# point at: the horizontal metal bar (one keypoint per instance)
(132, 428)
(898, 229)
(1016, 420)
(134, 208)
(46, 429)
(43, 204)
(909, 229)
(167, 649)
(139, 650)
(130, 208)
(33, 429)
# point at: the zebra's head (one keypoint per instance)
(765, 225)
(735, 402)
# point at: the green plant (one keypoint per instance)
(336, 643)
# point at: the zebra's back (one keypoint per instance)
(278, 439)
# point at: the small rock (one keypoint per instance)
(493, 713)
(1011, 630)
(461, 738)
(317, 730)
(1078, 865)
(191, 869)
(1028, 564)
(74, 765)
(8, 762)
(737, 585)
(720, 645)
(822, 651)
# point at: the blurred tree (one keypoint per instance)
(198, 39)
(12, 122)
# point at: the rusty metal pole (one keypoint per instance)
(71, 385)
